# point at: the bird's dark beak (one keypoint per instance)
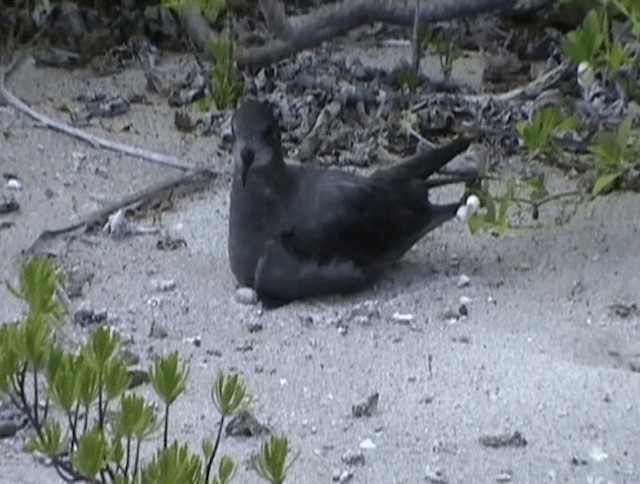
(248, 156)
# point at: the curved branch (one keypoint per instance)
(305, 31)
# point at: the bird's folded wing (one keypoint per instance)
(281, 276)
(337, 217)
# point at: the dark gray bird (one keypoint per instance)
(297, 232)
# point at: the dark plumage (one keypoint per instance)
(297, 232)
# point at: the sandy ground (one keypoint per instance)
(540, 352)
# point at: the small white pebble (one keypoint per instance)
(465, 300)
(504, 476)
(473, 204)
(464, 281)
(434, 475)
(598, 455)
(14, 184)
(163, 285)
(403, 317)
(246, 295)
(463, 213)
(343, 477)
(586, 74)
(367, 444)
(283, 381)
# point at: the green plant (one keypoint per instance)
(271, 462)
(529, 194)
(615, 155)
(406, 79)
(89, 390)
(210, 9)
(539, 134)
(225, 84)
(631, 10)
(592, 43)
(446, 51)
(169, 381)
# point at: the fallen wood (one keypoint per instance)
(93, 140)
(330, 21)
(195, 178)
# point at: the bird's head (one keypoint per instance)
(256, 138)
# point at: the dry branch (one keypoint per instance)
(192, 175)
(330, 21)
(194, 178)
(93, 140)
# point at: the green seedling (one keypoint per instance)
(210, 9)
(225, 84)
(169, 380)
(592, 43)
(105, 422)
(271, 462)
(445, 50)
(631, 10)
(529, 194)
(407, 79)
(539, 134)
(37, 287)
(229, 395)
(173, 464)
(615, 155)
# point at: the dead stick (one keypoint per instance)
(95, 141)
(192, 177)
(530, 90)
(330, 21)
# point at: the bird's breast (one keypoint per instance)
(255, 216)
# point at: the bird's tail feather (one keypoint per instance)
(440, 214)
(424, 164)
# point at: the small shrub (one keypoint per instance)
(106, 421)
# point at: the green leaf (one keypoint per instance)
(586, 43)
(167, 378)
(49, 442)
(226, 470)
(37, 285)
(116, 378)
(37, 338)
(116, 451)
(136, 418)
(538, 188)
(102, 346)
(87, 382)
(174, 464)
(63, 390)
(12, 357)
(229, 393)
(623, 133)
(207, 447)
(604, 183)
(270, 463)
(55, 359)
(91, 455)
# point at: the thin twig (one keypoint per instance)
(547, 199)
(93, 140)
(528, 91)
(330, 21)
(195, 177)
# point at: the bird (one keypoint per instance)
(297, 232)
